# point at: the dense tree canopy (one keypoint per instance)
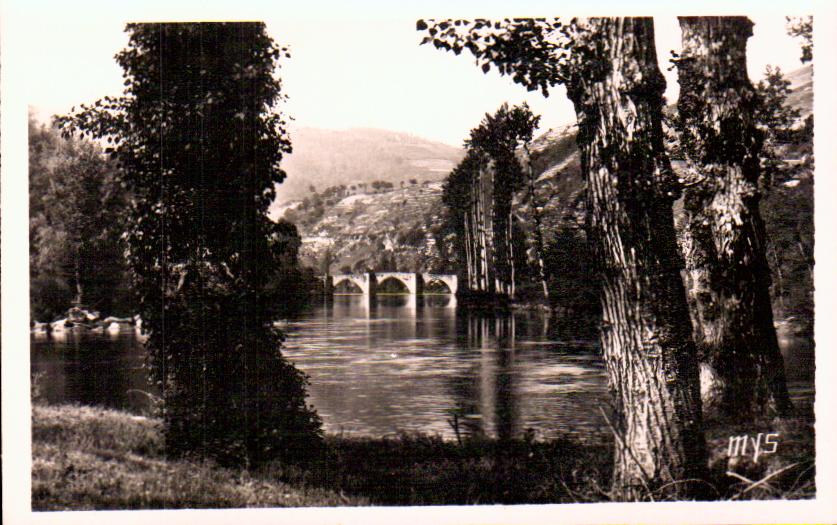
(478, 195)
(78, 207)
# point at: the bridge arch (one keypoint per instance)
(437, 287)
(385, 285)
(414, 283)
(449, 281)
(361, 281)
(410, 280)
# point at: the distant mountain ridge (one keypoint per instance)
(801, 96)
(360, 227)
(324, 158)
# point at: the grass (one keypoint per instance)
(93, 458)
(786, 474)
(90, 458)
(417, 469)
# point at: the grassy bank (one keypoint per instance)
(91, 458)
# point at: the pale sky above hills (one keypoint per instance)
(349, 68)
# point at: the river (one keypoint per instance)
(395, 364)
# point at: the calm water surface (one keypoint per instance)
(396, 364)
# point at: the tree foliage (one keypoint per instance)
(803, 27)
(77, 210)
(572, 280)
(289, 284)
(456, 198)
(787, 180)
(776, 121)
(533, 51)
(200, 141)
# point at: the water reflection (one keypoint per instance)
(92, 368)
(381, 365)
(484, 394)
(394, 363)
(404, 363)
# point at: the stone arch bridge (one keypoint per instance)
(415, 283)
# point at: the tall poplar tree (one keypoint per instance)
(479, 193)
(199, 139)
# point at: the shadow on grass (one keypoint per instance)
(416, 469)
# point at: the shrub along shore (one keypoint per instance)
(93, 458)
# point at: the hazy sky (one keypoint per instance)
(346, 70)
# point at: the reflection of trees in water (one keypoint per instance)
(489, 388)
(95, 370)
(439, 301)
(436, 318)
(570, 326)
(485, 396)
(465, 392)
(507, 413)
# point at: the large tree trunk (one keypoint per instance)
(646, 332)
(742, 371)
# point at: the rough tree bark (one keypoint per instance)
(742, 370)
(646, 338)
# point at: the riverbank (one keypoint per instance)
(92, 458)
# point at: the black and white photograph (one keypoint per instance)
(455, 264)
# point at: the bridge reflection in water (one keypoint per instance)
(368, 306)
